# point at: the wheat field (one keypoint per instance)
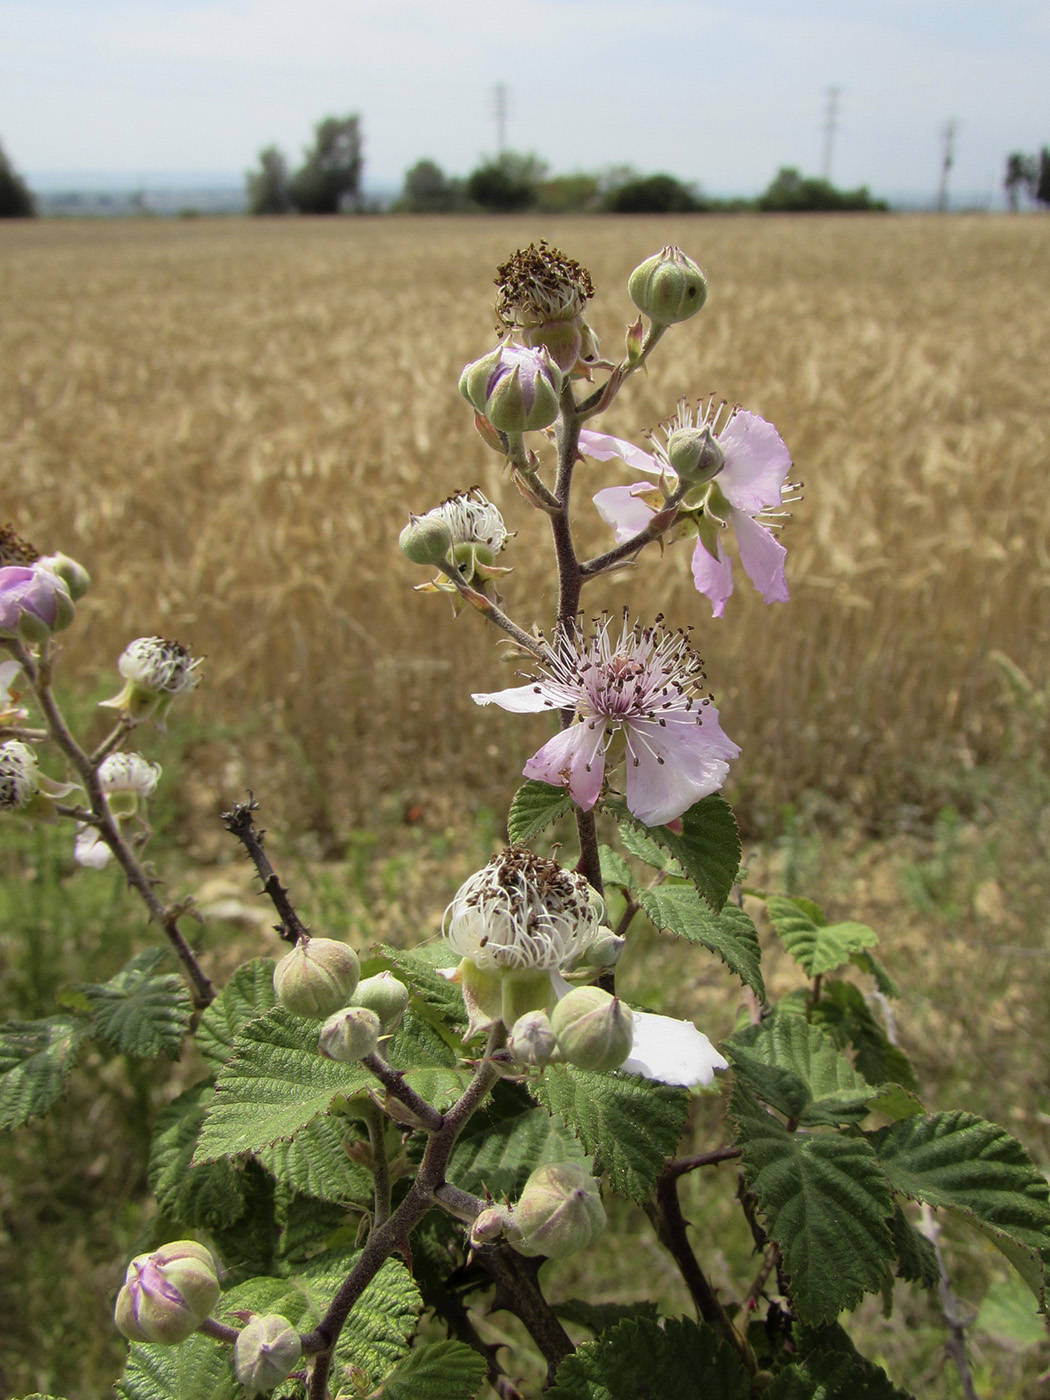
(228, 421)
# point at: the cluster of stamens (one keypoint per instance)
(523, 912)
(14, 550)
(473, 519)
(539, 284)
(160, 665)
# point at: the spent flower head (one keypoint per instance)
(155, 671)
(542, 297)
(126, 780)
(523, 913)
(642, 686)
(19, 776)
(15, 550)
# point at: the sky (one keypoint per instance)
(716, 92)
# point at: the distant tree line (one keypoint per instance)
(1028, 175)
(514, 182)
(327, 182)
(16, 199)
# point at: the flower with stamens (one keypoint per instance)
(155, 671)
(642, 686)
(126, 780)
(513, 924)
(746, 491)
(19, 776)
(475, 532)
(542, 297)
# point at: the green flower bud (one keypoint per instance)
(317, 977)
(350, 1034)
(489, 1225)
(384, 995)
(73, 575)
(518, 389)
(560, 1211)
(695, 455)
(167, 1294)
(426, 539)
(266, 1353)
(668, 287)
(594, 1030)
(604, 951)
(532, 1041)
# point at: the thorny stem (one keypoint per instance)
(167, 916)
(488, 609)
(425, 1115)
(681, 1165)
(671, 1230)
(771, 1260)
(238, 822)
(392, 1236)
(448, 1305)
(375, 1121)
(518, 1291)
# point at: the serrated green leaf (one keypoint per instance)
(707, 850)
(533, 808)
(825, 1200)
(843, 1011)
(249, 993)
(817, 947)
(615, 870)
(305, 1223)
(629, 1124)
(35, 1059)
(314, 1163)
(275, 1083)
(1007, 1315)
(916, 1256)
(731, 934)
(204, 1197)
(797, 1069)
(641, 1360)
(197, 1369)
(869, 963)
(599, 1317)
(419, 969)
(379, 1326)
(499, 1150)
(640, 844)
(140, 1012)
(834, 1376)
(437, 1371)
(249, 1245)
(974, 1168)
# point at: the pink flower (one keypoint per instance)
(751, 483)
(33, 603)
(643, 685)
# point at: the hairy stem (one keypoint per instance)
(375, 1121)
(167, 916)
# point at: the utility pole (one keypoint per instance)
(947, 161)
(831, 121)
(499, 96)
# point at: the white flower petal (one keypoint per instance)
(673, 1052)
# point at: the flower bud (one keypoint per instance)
(560, 1211)
(73, 575)
(593, 1029)
(350, 1034)
(33, 603)
(516, 388)
(384, 995)
(316, 978)
(695, 455)
(265, 1353)
(167, 1294)
(532, 1041)
(426, 539)
(668, 287)
(489, 1225)
(603, 952)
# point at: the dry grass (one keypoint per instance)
(227, 421)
